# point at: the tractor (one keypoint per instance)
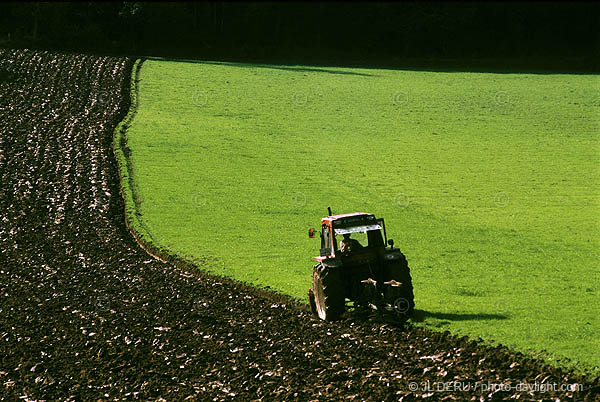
(367, 269)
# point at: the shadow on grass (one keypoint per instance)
(283, 67)
(494, 66)
(421, 315)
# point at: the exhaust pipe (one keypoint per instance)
(329, 210)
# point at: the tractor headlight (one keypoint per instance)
(391, 257)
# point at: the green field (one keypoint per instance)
(489, 183)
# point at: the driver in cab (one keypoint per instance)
(348, 245)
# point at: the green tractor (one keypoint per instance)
(364, 268)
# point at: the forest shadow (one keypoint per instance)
(283, 67)
(494, 66)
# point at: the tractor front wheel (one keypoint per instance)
(328, 292)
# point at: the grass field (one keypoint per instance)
(489, 183)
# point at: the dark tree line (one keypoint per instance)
(381, 32)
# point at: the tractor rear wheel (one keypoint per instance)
(401, 296)
(311, 301)
(328, 291)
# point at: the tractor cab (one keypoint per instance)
(363, 228)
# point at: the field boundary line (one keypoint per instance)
(121, 151)
(133, 222)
